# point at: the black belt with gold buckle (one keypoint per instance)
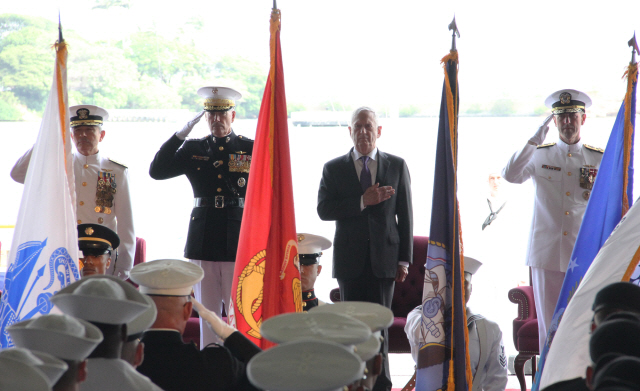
(218, 202)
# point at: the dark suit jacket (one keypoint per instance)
(382, 232)
(175, 365)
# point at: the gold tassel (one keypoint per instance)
(631, 75)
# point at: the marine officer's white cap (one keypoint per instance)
(61, 335)
(101, 299)
(326, 326)
(306, 365)
(142, 322)
(87, 115)
(376, 316)
(471, 265)
(167, 277)
(16, 375)
(52, 367)
(568, 101)
(218, 98)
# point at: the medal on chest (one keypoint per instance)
(239, 163)
(587, 177)
(105, 190)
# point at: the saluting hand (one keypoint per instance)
(220, 328)
(541, 133)
(376, 194)
(182, 134)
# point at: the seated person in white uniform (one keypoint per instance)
(486, 350)
(109, 304)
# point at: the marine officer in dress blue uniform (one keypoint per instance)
(218, 168)
(563, 174)
(310, 249)
(486, 350)
(102, 184)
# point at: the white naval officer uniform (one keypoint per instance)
(86, 169)
(115, 374)
(559, 206)
(486, 350)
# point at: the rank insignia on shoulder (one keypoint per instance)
(118, 163)
(548, 167)
(546, 145)
(592, 148)
(204, 158)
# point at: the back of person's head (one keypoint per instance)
(619, 296)
(623, 371)
(621, 336)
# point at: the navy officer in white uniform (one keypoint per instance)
(563, 174)
(486, 350)
(102, 184)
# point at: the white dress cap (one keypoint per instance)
(312, 244)
(325, 326)
(52, 368)
(218, 98)
(18, 376)
(102, 299)
(471, 265)
(87, 115)
(143, 321)
(376, 316)
(62, 336)
(368, 349)
(564, 97)
(166, 277)
(306, 365)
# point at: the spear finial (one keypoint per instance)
(634, 48)
(275, 6)
(454, 27)
(60, 39)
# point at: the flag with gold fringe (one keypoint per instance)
(611, 198)
(444, 320)
(567, 343)
(266, 277)
(44, 250)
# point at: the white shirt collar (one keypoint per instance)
(357, 155)
(569, 147)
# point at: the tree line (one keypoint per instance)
(143, 71)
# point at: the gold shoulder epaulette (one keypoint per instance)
(118, 163)
(594, 148)
(546, 145)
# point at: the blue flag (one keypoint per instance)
(44, 250)
(611, 198)
(444, 321)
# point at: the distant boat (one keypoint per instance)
(320, 118)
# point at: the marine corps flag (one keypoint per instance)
(267, 277)
(566, 348)
(44, 250)
(443, 361)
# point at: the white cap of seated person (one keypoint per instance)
(52, 367)
(18, 376)
(101, 299)
(60, 335)
(173, 277)
(305, 365)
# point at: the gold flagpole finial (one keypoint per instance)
(454, 27)
(634, 48)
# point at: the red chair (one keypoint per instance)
(525, 332)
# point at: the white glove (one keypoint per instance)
(121, 274)
(541, 134)
(214, 322)
(182, 134)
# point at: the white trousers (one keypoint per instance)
(214, 292)
(547, 285)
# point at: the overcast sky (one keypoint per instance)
(389, 51)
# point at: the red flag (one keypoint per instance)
(267, 277)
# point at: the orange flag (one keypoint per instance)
(267, 276)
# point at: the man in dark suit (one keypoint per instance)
(168, 361)
(368, 194)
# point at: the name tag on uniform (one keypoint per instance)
(195, 157)
(551, 167)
